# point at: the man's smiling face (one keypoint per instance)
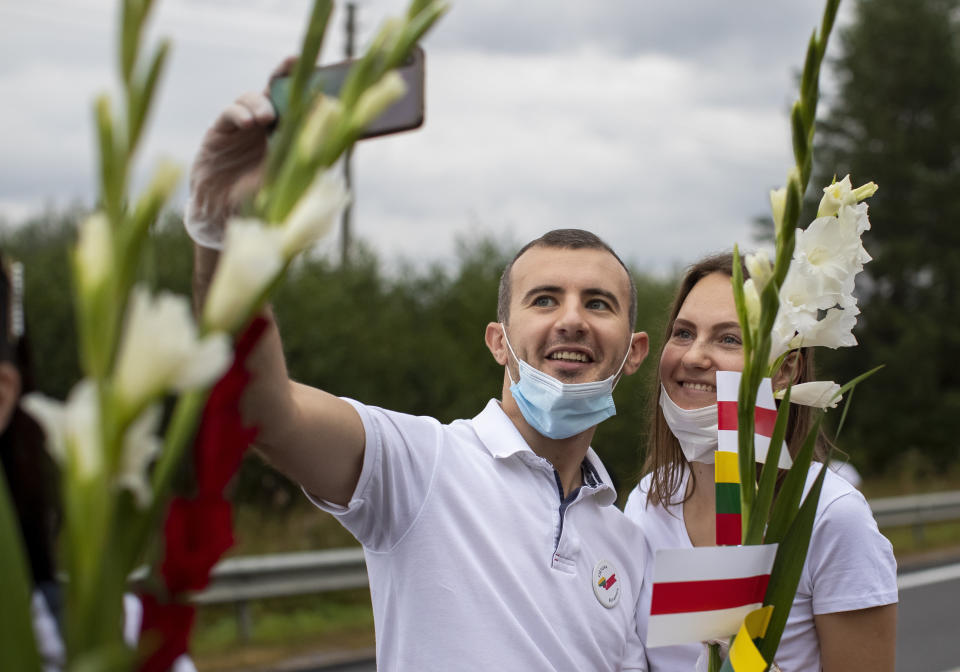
(569, 313)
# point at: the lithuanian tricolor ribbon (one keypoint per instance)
(727, 476)
(705, 592)
(726, 462)
(744, 655)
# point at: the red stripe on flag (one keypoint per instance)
(764, 418)
(682, 597)
(729, 529)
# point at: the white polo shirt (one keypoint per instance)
(474, 561)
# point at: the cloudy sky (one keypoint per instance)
(660, 125)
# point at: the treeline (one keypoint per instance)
(410, 340)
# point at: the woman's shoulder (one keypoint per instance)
(837, 497)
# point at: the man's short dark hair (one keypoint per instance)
(570, 239)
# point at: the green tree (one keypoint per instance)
(895, 119)
(410, 341)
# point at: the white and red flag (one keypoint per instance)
(705, 592)
(728, 387)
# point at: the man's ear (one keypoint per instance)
(639, 349)
(789, 371)
(496, 343)
(9, 392)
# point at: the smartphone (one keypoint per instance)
(404, 115)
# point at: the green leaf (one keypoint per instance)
(788, 500)
(768, 475)
(18, 649)
(791, 556)
(141, 95)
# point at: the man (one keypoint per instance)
(491, 543)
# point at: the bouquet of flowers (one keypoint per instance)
(804, 298)
(139, 347)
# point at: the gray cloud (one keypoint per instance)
(659, 125)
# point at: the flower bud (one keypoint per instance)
(819, 394)
(315, 213)
(751, 299)
(778, 202)
(250, 261)
(94, 252)
(760, 269)
(375, 100)
(321, 123)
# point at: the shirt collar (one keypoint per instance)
(501, 439)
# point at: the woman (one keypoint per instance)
(844, 614)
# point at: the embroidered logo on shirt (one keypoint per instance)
(606, 585)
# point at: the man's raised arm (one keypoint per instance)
(311, 436)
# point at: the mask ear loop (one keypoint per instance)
(623, 363)
(503, 328)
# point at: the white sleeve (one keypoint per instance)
(400, 461)
(850, 564)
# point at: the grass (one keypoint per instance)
(282, 628)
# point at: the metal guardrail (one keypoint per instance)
(916, 509)
(240, 580)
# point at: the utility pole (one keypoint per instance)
(347, 211)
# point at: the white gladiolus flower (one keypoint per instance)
(831, 248)
(72, 428)
(94, 251)
(160, 349)
(833, 331)
(315, 213)
(250, 261)
(760, 269)
(140, 446)
(376, 99)
(819, 394)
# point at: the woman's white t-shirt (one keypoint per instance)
(850, 565)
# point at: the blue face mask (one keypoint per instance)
(561, 410)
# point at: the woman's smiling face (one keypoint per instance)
(705, 338)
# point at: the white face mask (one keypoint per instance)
(696, 429)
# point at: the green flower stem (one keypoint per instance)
(714, 659)
(134, 540)
(179, 437)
